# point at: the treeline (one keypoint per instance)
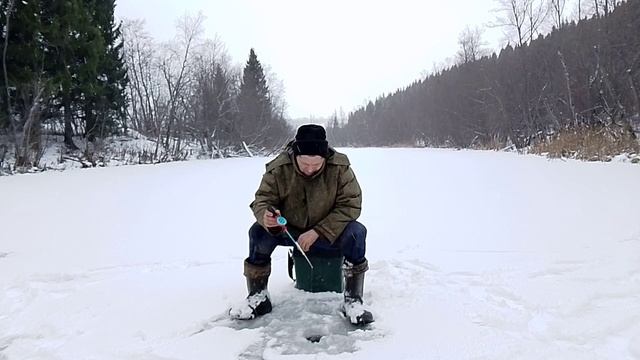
(187, 90)
(69, 69)
(584, 74)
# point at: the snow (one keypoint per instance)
(473, 254)
(130, 149)
(244, 309)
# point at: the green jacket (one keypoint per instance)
(326, 202)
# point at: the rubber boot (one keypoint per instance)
(257, 302)
(353, 307)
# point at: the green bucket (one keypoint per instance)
(326, 274)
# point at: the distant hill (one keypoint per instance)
(583, 75)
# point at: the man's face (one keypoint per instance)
(309, 164)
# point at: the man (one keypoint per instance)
(314, 187)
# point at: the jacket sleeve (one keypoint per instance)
(347, 207)
(266, 195)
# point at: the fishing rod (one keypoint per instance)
(283, 224)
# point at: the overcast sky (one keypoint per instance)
(330, 54)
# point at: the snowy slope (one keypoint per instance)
(473, 254)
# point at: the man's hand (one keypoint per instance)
(307, 239)
(269, 220)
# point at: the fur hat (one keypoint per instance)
(311, 140)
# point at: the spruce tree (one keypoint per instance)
(84, 50)
(105, 100)
(254, 103)
(71, 62)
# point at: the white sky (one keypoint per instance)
(329, 54)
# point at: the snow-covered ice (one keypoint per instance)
(472, 254)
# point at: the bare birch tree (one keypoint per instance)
(512, 17)
(7, 30)
(30, 151)
(210, 109)
(144, 87)
(470, 41)
(25, 132)
(537, 11)
(177, 74)
(557, 7)
(161, 80)
(520, 18)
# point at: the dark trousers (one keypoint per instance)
(351, 243)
